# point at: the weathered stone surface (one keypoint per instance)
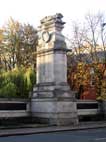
(52, 99)
(52, 22)
(55, 112)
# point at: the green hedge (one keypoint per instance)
(17, 83)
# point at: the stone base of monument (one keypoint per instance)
(55, 111)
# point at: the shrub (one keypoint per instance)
(9, 90)
(17, 83)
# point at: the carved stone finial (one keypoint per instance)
(57, 18)
(59, 15)
(45, 19)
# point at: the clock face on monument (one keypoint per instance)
(46, 36)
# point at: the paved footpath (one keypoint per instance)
(31, 130)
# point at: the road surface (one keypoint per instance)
(90, 135)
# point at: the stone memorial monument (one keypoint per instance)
(52, 100)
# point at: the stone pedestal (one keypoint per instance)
(52, 100)
(54, 111)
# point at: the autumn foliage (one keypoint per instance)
(89, 80)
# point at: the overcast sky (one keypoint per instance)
(31, 11)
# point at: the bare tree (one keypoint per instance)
(90, 38)
(78, 43)
(94, 35)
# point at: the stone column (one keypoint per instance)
(52, 100)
